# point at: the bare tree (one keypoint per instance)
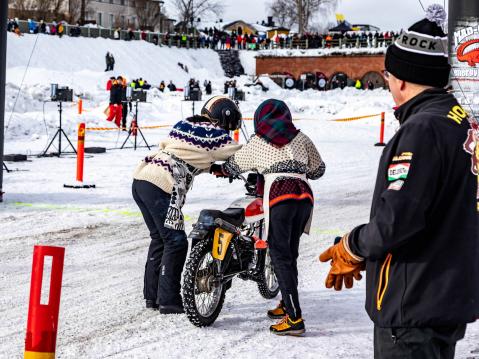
(40, 8)
(78, 10)
(284, 12)
(192, 9)
(298, 12)
(83, 4)
(147, 13)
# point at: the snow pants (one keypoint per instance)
(168, 247)
(287, 222)
(417, 343)
(115, 113)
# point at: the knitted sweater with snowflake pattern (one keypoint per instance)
(199, 144)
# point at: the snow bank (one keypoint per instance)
(81, 61)
(248, 60)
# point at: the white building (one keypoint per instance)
(113, 13)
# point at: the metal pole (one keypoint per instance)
(463, 27)
(60, 130)
(3, 66)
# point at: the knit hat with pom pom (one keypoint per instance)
(420, 55)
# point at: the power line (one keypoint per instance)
(21, 83)
(423, 9)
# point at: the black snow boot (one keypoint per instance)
(171, 309)
(151, 304)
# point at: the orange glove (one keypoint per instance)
(344, 265)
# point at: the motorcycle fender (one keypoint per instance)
(221, 242)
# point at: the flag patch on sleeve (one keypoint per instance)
(398, 171)
(396, 185)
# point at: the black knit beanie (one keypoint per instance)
(420, 55)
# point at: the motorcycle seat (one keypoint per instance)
(234, 216)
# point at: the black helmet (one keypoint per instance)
(222, 112)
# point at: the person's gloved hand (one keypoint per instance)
(217, 170)
(345, 266)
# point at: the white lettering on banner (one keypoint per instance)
(463, 33)
(466, 72)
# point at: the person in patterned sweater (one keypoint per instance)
(288, 159)
(160, 184)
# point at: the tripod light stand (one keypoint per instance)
(134, 130)
(59, 133)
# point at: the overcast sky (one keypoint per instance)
(386, 14)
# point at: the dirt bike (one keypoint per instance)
(227, 244)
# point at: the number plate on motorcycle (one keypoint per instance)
(221, 243)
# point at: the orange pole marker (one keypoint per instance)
(80, 160)
(44, 307)
(80, 151)
(236, 135)
(80, 106)
(381, 133)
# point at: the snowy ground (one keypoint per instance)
(102, 310)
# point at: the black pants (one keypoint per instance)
(287, 222)
(417, 343)
(168, 247)
(124, 113)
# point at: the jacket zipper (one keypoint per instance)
(383, 277)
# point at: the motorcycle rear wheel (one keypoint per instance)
(202, 299)
(268, 286)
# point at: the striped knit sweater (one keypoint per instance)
(298, 156)
(199, 144)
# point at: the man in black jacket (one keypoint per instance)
(116, 109)
(420, 248)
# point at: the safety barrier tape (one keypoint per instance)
(335, 120)
(349, 119)
(354, 118)
(117, 129)
(294, 119)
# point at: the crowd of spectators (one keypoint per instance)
(42, 27)
(218, 39)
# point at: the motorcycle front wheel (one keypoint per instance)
(203, 296)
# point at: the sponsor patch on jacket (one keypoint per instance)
(405, 156)
(398, 171)
(471, 146)
(396, 185)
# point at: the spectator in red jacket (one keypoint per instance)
(116, 109)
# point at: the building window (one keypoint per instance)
(112, 20)
(122, 19)
(111, 1)
(99, 20)
(133, 21)
(122, 2)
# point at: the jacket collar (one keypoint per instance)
(415, 104)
